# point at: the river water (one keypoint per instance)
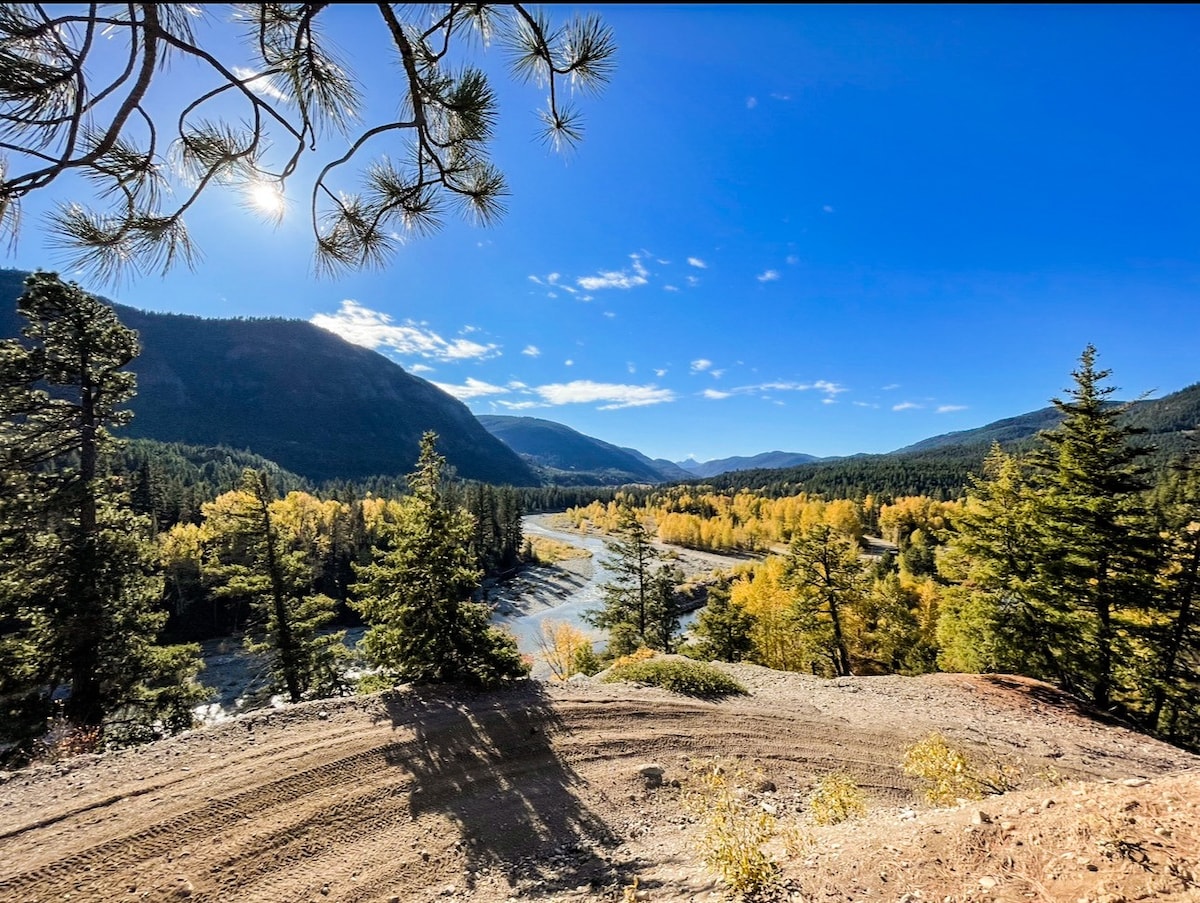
(236, 676)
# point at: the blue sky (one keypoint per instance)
(824, 229)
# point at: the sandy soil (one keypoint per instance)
(535, 793)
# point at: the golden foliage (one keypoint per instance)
(836, 798)
(735, 831)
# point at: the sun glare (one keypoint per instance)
(267, 198)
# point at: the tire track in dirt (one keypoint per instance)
(119, 853)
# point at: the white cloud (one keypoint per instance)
(700, 365)
(891, 386)
(473, 388)
(632, 277)
(372, 329)
(518, 405)
(670, 288)
(419, 368)
(792, 260)
(715, 394)
(660, 373)
(697, 263)
(768, 276)
(778, 96)
(827, 209)
(950, 408)
(631, 367)
(829, 400)
(260, 84)
(716, 374)
(609, 314)
(905, 406)
(751, 103)
(531, 351)
(584, 391)
(693, 281)
(864, 404)
(568, 363)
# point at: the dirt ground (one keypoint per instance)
(536, 793)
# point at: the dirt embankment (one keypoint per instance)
(535, 793)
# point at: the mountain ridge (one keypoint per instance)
(292, 392)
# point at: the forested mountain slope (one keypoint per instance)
(292, 392)
(568, 455)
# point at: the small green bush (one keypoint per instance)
(677, 675)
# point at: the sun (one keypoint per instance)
(267, 198)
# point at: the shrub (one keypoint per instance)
(734, 830)
(836, 799)
(951, 774)
(677, 675)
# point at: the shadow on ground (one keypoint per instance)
(487, 761)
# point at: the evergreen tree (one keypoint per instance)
(79, 588)
(639, 607)
(824, 573)
(249, 557)
(416, 593)
(994, 621)
(724, 628)
(1175, 678)
(1095, 550)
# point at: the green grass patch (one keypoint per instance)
(679, 676)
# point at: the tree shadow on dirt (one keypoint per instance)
(487, 761)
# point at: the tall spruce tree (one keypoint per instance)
(1095, 552)
(416, 594)
(78, 582)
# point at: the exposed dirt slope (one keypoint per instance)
(535, 793)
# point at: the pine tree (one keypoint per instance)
(724, 628)
(249, 557)
(639, 605)
(1095, 549)
(995, 621)
(79, 592)
(416, 593)
(824, 573)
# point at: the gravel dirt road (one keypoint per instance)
(535, 792)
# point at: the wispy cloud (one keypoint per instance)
(531, 351)
(768, 276)
(260, 84)
(701, 364)
(693, 281)
(473, 388)
(372, 329)
(751, 103)
(950, 408)
(829, 389)
(419, 368)
(891, 386)
(905, 406)
(697, 263)
(827, 209)
(630, 277)
(614, 395)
